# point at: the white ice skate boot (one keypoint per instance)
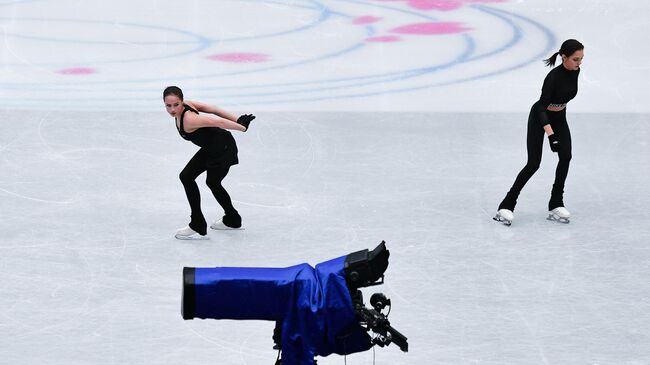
(559, 214)
(188, 233)
(504, 216)
(220, 226)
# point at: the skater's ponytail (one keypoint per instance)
(173, 90)
(568, 48)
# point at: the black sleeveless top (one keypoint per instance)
(560, 86)
(219, 143)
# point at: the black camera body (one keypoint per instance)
(366, 268)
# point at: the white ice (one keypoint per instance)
(90, 196)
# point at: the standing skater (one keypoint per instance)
(548, 115)
(217, 153)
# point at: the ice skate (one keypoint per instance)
(559, 214)
(188, 233)
(504, 216)
(220, 226)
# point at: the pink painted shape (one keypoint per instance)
(485, 1)
(431, 28)
(367, 19)
(386, 38)
(239, 57)
(77, 71)
(444, 5)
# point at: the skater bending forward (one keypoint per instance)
(217, 153)
(548, 116)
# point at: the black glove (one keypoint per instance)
(554, 142)
(245, 120)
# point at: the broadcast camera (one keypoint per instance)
(317, 310)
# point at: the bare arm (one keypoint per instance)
(207, 108)
(193, 122)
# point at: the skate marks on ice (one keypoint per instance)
(101, 274)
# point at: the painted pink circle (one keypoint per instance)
(239, 57)
(444, 5)
(485, 1)
(368, 19)
(431, 28)
(77, 71)
(386, 38)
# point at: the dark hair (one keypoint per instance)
(173, 90)
(568, 48)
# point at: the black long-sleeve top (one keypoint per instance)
(560, 86)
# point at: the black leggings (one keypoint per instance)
(535, 143)
(215, 174)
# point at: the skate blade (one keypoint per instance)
(554, 218)
(500, 219)
(226, 228)
(192, 238)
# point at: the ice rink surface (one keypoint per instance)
(401, 121)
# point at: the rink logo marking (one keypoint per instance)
(239, 57)
(366, 19)
(77, 71)
(431, 28)
(444, 5)
(380, 25)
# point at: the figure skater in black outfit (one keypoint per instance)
(217, 153)
(548, 115)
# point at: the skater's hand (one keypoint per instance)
(554, 142)
(245, 120)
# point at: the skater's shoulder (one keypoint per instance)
(562, 72)
(553, 73)
(191, 106)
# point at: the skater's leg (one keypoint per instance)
(214, 181)
(561, 128)
(195, 167)
(534, 146)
